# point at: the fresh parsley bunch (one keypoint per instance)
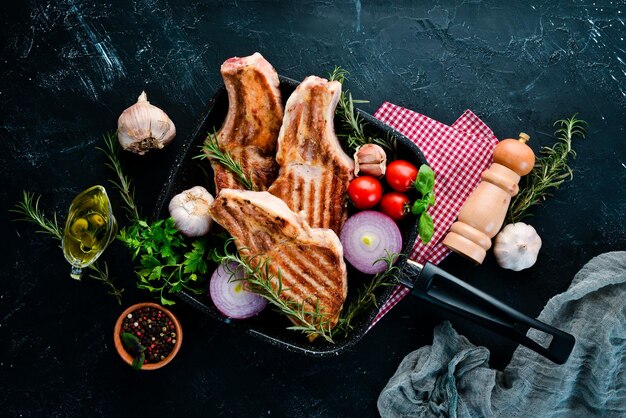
(163, 265)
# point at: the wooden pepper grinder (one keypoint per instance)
(482, 215)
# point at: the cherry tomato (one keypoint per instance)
(401, 175)
(394, 205)
(365, 192)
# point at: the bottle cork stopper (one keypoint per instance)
(523, 137)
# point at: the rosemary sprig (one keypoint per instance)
(260, 279)
(550, 170)
(29, 209)
(102, 275)
(123, 183)
(352, 122)
(366, 297)
(211, 149)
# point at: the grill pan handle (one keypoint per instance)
(442, 289)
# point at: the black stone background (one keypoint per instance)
(68, 68)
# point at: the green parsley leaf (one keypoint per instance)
(176, 287)
(164, 267)
(148, 261)
(165, 301)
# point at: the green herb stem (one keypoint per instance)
(102, 275)
(257, 274)
(211, 150)
(352, 122)
(123, 184)
(550, 170)
(366, 297)
(29, 209)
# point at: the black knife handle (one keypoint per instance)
(453, 294)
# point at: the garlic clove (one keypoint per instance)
(190, 211)
(517, 246)
(371, 160)
(143, 127)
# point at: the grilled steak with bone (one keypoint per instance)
(250, 130)
(314, 170)
(310, 259)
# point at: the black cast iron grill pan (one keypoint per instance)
(428, 282)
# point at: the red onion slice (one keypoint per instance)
(366, 237)
(228, 293)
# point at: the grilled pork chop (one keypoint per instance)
(255, 114)
(314, 170)
(310, 259)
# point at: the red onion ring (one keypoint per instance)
(228, 293)
(366, 237)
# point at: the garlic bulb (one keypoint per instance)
(143, 127)
(190, 210)
(517, 246)
(370, 159)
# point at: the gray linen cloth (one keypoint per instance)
(452, 377)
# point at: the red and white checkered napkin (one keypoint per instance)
(458, 154)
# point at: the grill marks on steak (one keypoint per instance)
(251, 127)
(315, 172)
(317, 193)
(259, 165)
(310, 260)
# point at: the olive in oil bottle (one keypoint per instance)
(89, 229)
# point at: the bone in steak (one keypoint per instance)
(314, 170)
(310, 259)
(250, 130)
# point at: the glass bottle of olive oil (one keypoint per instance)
(89, 229)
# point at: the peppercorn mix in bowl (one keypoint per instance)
(156, 332)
